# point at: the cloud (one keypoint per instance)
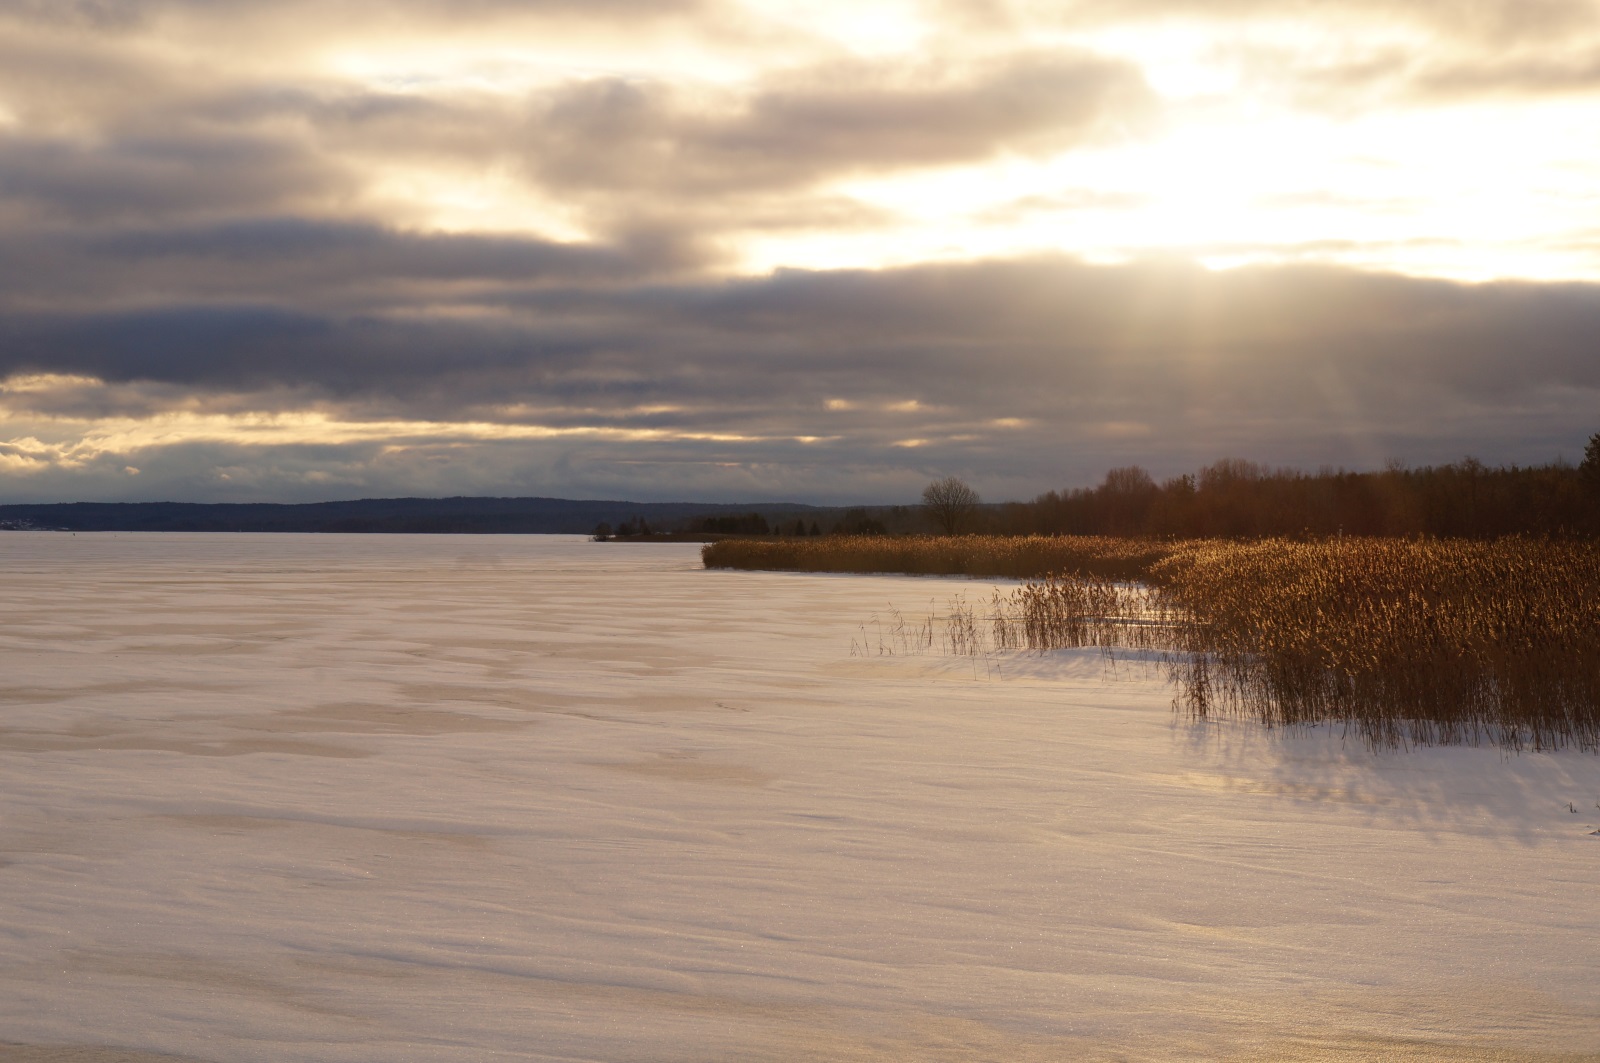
(1387, 75)
(1347, 56)
(77, 14)
(1498, 20)
(139, 139)
(1044, 328)
(419, 245)
(836, 120)
(121, 15)
(1545, 74)
(1083, 367)
(149, 178)
(263, 270)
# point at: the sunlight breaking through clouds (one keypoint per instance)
(740, 216)
(125, 436)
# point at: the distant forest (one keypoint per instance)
(1235, 499)
(1241, 499)
(1228, 499)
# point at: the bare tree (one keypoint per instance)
(950, 504)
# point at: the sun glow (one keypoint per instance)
(71, 443)
(492, 67)
(64, 441)
(488, 201)
(1236, 167)
(44, 383)
(884, 28)
(1411, 191)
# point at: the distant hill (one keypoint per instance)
(427, 515)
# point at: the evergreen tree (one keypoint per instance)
(1591, 462)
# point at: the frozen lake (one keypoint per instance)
(392, 798)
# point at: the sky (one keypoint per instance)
(736, 250)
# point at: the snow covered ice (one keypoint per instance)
(384, 798)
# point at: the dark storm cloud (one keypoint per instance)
(150, 177)
(434, 364)
(1022, 375)
(311, 255)
(1050, 331)
(317, 266)
(1154, 341)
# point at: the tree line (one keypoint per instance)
(1241, 499)
(1230, 499)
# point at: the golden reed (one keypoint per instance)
(1400, 640)
(1013, 557)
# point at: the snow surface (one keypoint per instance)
(384, 798)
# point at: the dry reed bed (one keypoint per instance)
(1430, 641)
(1401, 641)
(1013, 557)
